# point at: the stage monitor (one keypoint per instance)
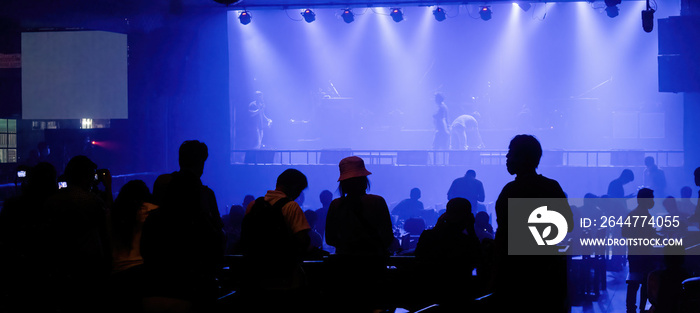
(74, 75)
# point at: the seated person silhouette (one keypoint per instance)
(414, 227)
(482, 226)
(448, 253)
(409, 208)
(685, 205)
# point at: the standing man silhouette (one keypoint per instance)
(526, 280)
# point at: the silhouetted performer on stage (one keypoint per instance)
(442, 129)
(465, 129)
(468, 187)
(256, 110)
(531, 282)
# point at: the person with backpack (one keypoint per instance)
(358, 225)
(274, 238)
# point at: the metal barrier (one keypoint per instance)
(579, 158)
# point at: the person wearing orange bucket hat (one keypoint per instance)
(358, 225)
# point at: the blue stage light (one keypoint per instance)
(244, 17)
(485, 13)
(439, 14)
(348, 16)
(309, 16)
(396, 15)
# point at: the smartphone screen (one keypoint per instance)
(21, 173)
(62, 185)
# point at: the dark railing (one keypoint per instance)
(578, 158)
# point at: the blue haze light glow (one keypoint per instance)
(559, 71)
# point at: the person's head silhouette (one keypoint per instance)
(524, 153)
(627, 176)
(482, 219)
(649, 162)
(645, 198)
(353, 176)
(459, 213)
(192, 155)
(439, 98)
(326, 196)
(292, 182)
(686, 192)
(670, 205)
(471, 174)
(415, 194)
(80, 172)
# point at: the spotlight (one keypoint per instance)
(244, 17)
(396, 15)
(485, 13)
(439, 14)
(348, 16)
(648, 20)
(525, 6)
(611, 8)
(309, 16)
(612, 11)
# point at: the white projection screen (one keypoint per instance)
(74, 75)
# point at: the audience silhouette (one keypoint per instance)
(654, 177)
(409, 208)
(665, 286)
(468, 187)
(232, 228)
(77, 240)
(449, 253)
(359, 227)
(23, 224)
(696, 215)
(616, 187)
(521, 279)
(274, 239)
(130, 210)
(188, 222)
(315, 238)
(163, 252)
(482, 226)
(640, 257)
(685, 205)
(326, 196)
